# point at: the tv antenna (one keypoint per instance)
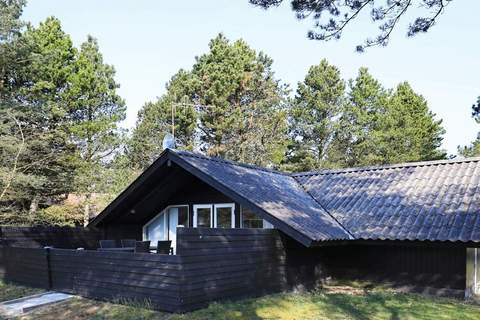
(169, 139)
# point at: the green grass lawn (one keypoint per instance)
(337, 302)
(324, 305)
(9, 292)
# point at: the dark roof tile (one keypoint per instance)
(436, 200)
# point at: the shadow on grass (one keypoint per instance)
(396, 306)
(361, 305)
(365, 305)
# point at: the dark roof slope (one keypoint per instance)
(276, 193)
(436, 200)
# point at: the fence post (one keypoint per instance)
(49, 270)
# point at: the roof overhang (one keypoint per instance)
(112, 206)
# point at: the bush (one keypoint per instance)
(61, 215)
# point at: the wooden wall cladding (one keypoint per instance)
(229, 263)
(116, 276)
(26, 266)
(58, 237)
(219, 264)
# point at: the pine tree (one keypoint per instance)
(12, 141)
(155, 120)
(58, 118)
(379, 126)
(234, 108)
(313, 117)
(409, 130)
(473, 150)
(242, 108)
(34, 113)
(12, 53)
(357, 138)
(332, 18)
(95, 111)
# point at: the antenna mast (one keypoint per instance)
(183, 103)
(173, 118)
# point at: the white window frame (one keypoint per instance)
(225, 205)
(188, 213)
(202, 206)
(265, 223)
(166, 222)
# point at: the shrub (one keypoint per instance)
(61, 215)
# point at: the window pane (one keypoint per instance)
(183, 216)
(267, 225)
(224, 217)
(156, 229)
(203, 217)
(250, 219)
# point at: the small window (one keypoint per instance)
(267, 225)
(156, 229)
(250, 219)
(163, 226)
(202, 216)
(225, 215)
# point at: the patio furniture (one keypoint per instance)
(128, 243)
(164, 247)
(108, 244)
(142, 246)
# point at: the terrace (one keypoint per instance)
(210, 264)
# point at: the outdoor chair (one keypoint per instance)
(142, 246)
(164, 247)
(108, 244)
(128, 243)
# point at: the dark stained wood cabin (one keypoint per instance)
(416, 225)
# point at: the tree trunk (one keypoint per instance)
(86, 210)
(33, 206)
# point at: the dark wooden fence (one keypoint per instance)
(211, 264)
(58, 237)
(119, 276)
(25, 266)
(229, 263)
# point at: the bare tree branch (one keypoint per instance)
(11, 176)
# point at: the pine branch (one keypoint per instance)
(15, 162)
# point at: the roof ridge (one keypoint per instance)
(388, 166)
(230, 162)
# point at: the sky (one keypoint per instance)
(149, 41)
